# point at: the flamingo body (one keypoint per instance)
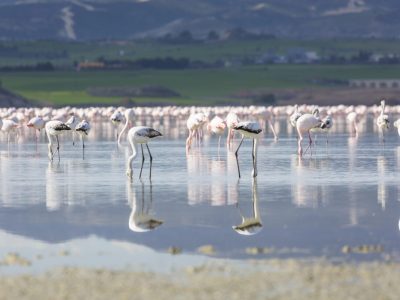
(249, 130)
(303, 125)
(55, 128)
(140, 135)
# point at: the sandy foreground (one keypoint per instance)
(265, 279)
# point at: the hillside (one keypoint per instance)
(121, 19)
(9, 99)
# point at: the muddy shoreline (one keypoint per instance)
(265, 279)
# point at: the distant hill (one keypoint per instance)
(9, 99)
(121, 19)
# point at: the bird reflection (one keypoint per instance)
(54, 188)
(398, 168)
(141, 218)
(382, 191)
(305, 193)
(250, 225)
(353, 208)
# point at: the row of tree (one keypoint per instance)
(41, 66)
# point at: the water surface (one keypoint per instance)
(346, 193)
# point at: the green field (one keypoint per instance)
(65, 53)
(203, 86)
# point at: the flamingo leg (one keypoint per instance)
(83, 147)
(58, 149)
(189, 140)
(253, 154)
(237, 155)
(228, 140)
(273, 130)
(151, 159)
(309, 144)
(141, 168)
(51, 153)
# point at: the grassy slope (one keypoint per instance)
(33, 52)
(195, 86)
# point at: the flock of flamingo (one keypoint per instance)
(305, 119)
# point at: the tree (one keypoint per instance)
(213, 36)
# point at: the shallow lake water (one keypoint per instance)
(345, 194)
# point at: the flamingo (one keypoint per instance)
(194, 123)
(140, 135)
(116, 119)
(268, 117)
(303, 125)
(36, 123)
(54, 128)
(383, 120)
(71, 123)
(249, 130)
(82, 129)
(217, 126)
(8, 127)
(252, 225)
(129, 115)
(295, 116)
(326, 125)
(397, 125)
(352, 119)
(231, 121)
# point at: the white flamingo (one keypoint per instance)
(37, 123)
(217, 126)
(54, 128)
(250, 130)
(9, 126)
(326, 125)
(194, 124)
(303, 125)
(140, 135)
(383, 120)
(83, 129)
(352, 119)
(116, 119)
(71, 123)
(232, 120)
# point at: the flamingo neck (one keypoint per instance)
(49, 138)
(123, 130)
(134, 148)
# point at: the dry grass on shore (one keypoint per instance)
(272, 279)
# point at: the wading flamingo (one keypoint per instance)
(250, 130)
(54, 128)
(140, 135)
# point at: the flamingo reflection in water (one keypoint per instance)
(250, 225)
(141, 219)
